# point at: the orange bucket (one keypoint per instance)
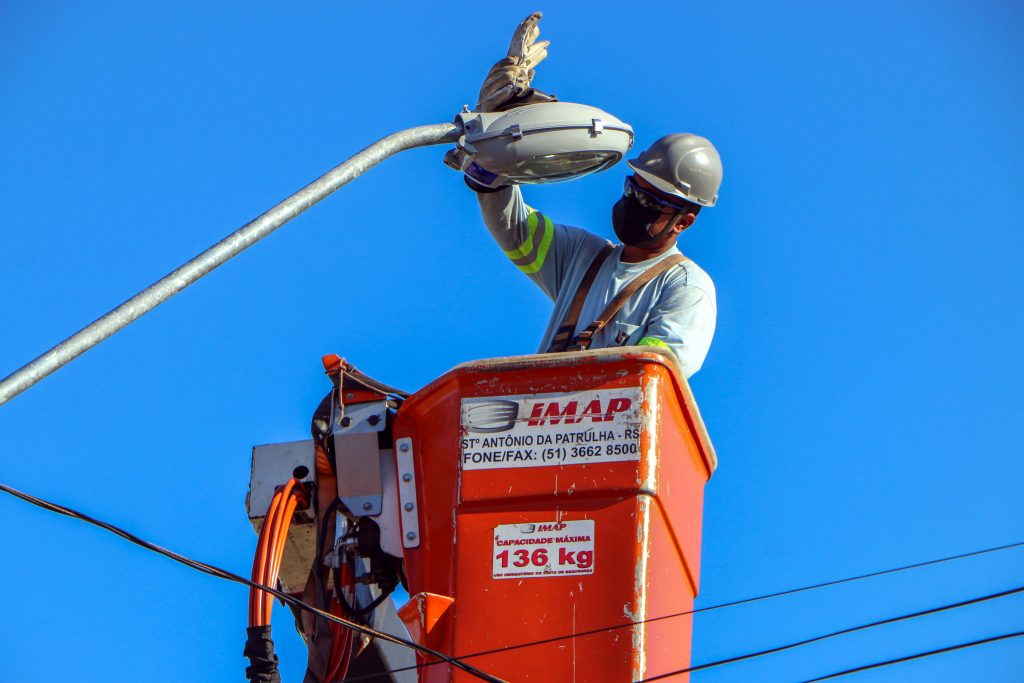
(559, 522)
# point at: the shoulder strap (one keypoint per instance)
(568, 327)
(586, 337)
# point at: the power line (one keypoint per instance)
(860, 577)
(922, 655)
(808, 641)
(457, 661)
(732, 603)
(745, 601)
(230, 576)
(845, 631)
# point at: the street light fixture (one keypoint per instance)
(549, 142)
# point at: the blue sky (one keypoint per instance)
(862, 390)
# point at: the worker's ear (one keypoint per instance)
(684, 222)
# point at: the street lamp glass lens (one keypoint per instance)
(553, 168)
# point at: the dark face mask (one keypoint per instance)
(632, 221)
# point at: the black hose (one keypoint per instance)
(259, 649)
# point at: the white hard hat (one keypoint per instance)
(684, 165)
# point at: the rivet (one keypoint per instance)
(367, 506)
(411, 535)
(406, 477)
(404, 448)
(409, 507)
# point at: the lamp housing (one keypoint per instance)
(548, 142)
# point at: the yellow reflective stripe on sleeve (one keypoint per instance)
(530, 255)
(526, 247)
(542, 250)
(652, 341)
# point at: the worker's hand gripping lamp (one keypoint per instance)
(548, 142)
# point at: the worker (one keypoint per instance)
(642, 292)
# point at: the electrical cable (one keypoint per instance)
(457, 661)
(920, 655)
(723, 605)
(808, 641)
(230, 576)
(860, 577)
(342, 576)
(340, 655)
(845, 631)
(745, 601)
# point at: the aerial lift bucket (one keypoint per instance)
(551, 516)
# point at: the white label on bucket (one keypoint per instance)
(543, 549)
(539, 430)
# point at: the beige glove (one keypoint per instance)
(508, 82)
(511, 76)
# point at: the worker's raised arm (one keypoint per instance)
(531, 240)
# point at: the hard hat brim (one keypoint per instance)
(664, 186)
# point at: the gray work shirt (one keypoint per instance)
(676, 310)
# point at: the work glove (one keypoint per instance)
(508, 82)
(511, 76)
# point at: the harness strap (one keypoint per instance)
(586, 337)
(562, 338)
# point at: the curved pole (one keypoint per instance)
(252, 232)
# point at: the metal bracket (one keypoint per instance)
(407, 493)
(274, 464)
(358, 460)
(360, 418)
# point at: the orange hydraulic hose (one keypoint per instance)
(270, 524)
(275, 531)
(278, 518)
(274, 561)
(267, 567)
(341, 648)
(260, 558)
(254, 577)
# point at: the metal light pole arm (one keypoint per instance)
(230, 246)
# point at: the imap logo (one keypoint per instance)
(490, 416)
(574, 412)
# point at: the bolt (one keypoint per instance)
(411, 535)
(404, 448)
(349, 395)
(346, 421)
(406, 477)
(409, 507)
(367, 506)
(373, 419)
